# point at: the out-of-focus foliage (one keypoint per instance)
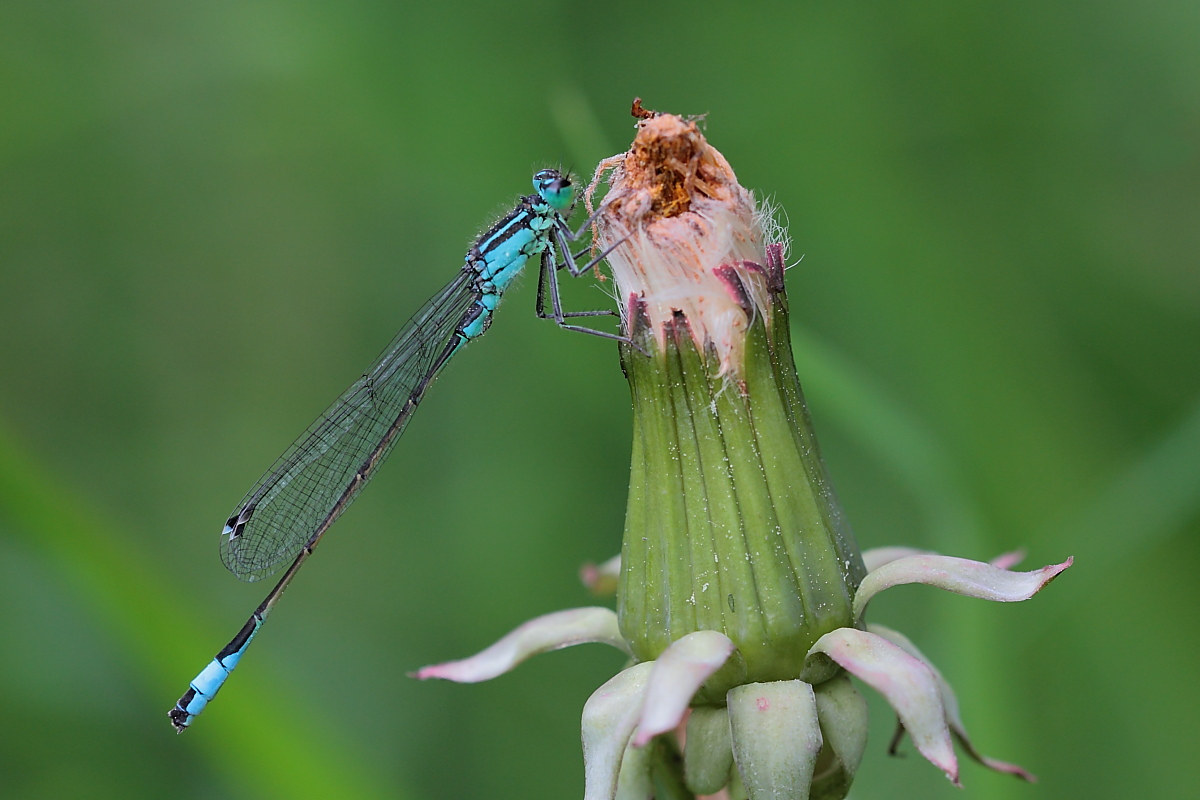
(212, 215)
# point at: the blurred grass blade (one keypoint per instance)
(579, 128)
(899, 441)
(1150, 500)
(264, 743)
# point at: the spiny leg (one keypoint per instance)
(548, 274)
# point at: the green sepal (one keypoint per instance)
(732, 522)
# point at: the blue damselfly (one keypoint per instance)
(291, 507)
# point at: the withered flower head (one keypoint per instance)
(692, 239)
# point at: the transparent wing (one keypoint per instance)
(316, 478)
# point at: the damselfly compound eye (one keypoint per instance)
(556, 189)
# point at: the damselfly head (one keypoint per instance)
(556, 189)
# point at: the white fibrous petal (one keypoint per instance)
(692, 244)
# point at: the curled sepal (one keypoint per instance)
(609, 717)
(961, 575)
(1008, 560)
(601, 579)
(776, 738)
(636, 779)
(950, 701)
(707, 751)
(906, 682)
(876, 557)
(842, 712)
(678, 673)
(538, 635)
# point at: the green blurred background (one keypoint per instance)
(213, 215)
